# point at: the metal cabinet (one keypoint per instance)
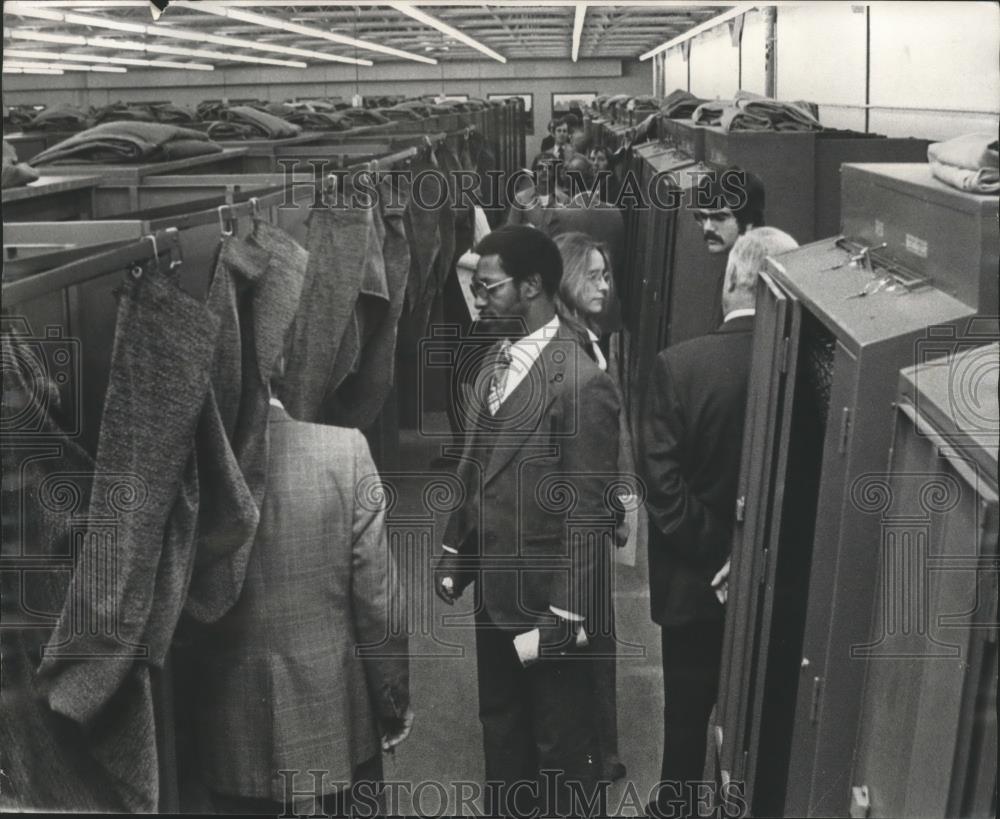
(684, 135)
(834, 148)
(785, 162)
(927, 744)
(51, 199)
(807, 547)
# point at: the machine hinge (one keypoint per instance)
(786, 343)
(845, 429)
(817, 695)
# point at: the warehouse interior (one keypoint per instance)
(172, 232)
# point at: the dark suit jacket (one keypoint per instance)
(536, 475)
(691, 437)
(281, 683)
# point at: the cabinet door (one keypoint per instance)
(927, 742)
(761, 489)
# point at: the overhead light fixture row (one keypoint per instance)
(296, 28)
(23, 54)
(32, 10)
(131, 45)
(726, 16)
(581, 13)
(9, 69)
(444, 28)
(106, 69)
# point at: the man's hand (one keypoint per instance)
(444, 587)
(399, 732)
(721, 582)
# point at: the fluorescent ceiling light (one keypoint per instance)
(103, 22)
(22, 54)
(581, 12)
(743, 8)
(7, 69)
(43, 37)
(294, 28)
(444, 28)
(27, 10)
(237, 42)
(131, 45)
(108, 69)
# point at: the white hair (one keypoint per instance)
(748, 257)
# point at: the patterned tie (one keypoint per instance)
(499, 379)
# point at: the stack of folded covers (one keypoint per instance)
(245, 122)
(59, 118)
(679, 104)
(330, 106)
(363, 116)
(645, 103)
(130, 142)
(122, 112)
(20, 115)
(421, 109)
(752, 112)
(319, 120)
(15, 174)
(171, 114)
(970, 163)
(398, 114)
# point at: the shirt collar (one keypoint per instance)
(735, 314)
(274, 402)
(543, 333)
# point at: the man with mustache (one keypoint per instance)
(534, 532)
(727, 204)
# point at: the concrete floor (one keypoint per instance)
(445, 745)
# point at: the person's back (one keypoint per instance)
(282, 684)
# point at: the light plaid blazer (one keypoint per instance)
(282, 685)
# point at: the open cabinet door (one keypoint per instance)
(760, 494)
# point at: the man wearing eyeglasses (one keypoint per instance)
(542, 449)
(727, 205)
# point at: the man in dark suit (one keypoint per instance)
(534, 532)
(304, 673)
(691, 437)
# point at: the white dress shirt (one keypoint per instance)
(524, 353)
(735, 314)
(602, 362)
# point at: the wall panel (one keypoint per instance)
(676, 70)
(714, 64)
(821, 53)
(752, 52)
(932, 66)
(935, 56)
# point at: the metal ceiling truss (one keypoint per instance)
(514, 30)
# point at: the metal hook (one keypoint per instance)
(176, 253)
(254, 207)
(225, 227)
(156, 250)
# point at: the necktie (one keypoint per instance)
(500, 370)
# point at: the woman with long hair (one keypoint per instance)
(585, 302)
